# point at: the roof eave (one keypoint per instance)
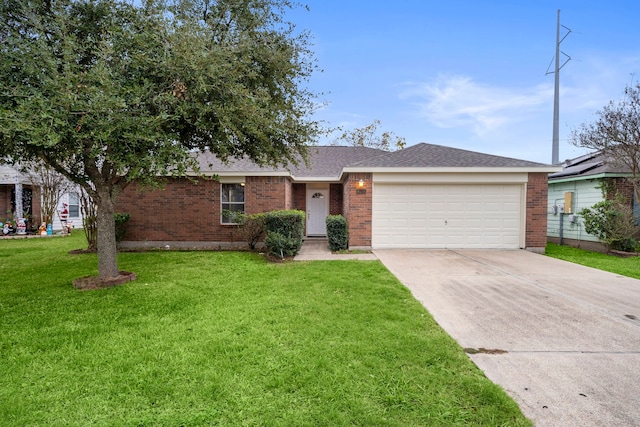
(484, 169)
(588, 177)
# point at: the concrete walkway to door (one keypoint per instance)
(562, 339)
(317, 249)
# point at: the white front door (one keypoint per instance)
(317, 211)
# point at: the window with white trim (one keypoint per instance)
(74, 205)
(232, 202)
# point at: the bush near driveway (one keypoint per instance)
(226, 338)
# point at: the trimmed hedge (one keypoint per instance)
(337, 232)
(285, 231)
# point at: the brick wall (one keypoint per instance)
(267, 193)
(7, 205)
(6, 210)
(336, 199)
(357, 209)
(299, 196)
(188, 211)
(536, 222)
(621, 187)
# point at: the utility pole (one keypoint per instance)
(555, 151)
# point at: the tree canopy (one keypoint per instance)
(616, 133)
(112, 91)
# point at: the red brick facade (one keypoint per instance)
(335, 199)
(190, 212)
(357, 202)
(536, 217)
(300, 197)
(7, 205)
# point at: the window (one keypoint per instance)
(74, 205)
(232, 202)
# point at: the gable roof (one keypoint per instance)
(425, 155)
(325, 162)
(329, 163)
(588, 166)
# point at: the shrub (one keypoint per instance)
(250, 228)
(337, 232)
(121, 225)
(612, 223)
(285, 230)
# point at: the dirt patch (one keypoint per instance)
(94, 282)
(82, 251)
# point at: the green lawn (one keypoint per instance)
(226, 338)
(624, 266)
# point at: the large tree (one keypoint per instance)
(616, 133)
(109, 91)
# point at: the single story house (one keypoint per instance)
(583, 182)
(13, 182)
(424, 196)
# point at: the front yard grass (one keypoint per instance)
(629, 267)
(226, 338)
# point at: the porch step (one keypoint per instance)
(315, 246)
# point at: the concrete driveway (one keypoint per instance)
(562, 339)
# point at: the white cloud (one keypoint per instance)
(461, 102)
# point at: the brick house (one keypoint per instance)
(425, 196)
(12, 183)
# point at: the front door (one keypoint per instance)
(317, 211)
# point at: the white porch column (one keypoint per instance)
(19, 213)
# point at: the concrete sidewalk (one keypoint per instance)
(562, 339)
(317, 249)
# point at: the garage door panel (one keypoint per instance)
(446, 216)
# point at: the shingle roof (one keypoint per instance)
(425, 155)
(324, 161)
(589, 165)
(329, 161)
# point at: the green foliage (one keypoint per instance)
(111, 91)
(285, 231)
(250, 228)
(612, 223)
(121, 220)
(227, 339)
(615, 134)
(337, 232)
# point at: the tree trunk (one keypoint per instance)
(107, 252)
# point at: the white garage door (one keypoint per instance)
(446, 216)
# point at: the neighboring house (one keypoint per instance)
(425, 196)
(580, 185)
(70, 201)
(14, 182)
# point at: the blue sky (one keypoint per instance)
(470, 74)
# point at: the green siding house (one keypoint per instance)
(583, 182)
